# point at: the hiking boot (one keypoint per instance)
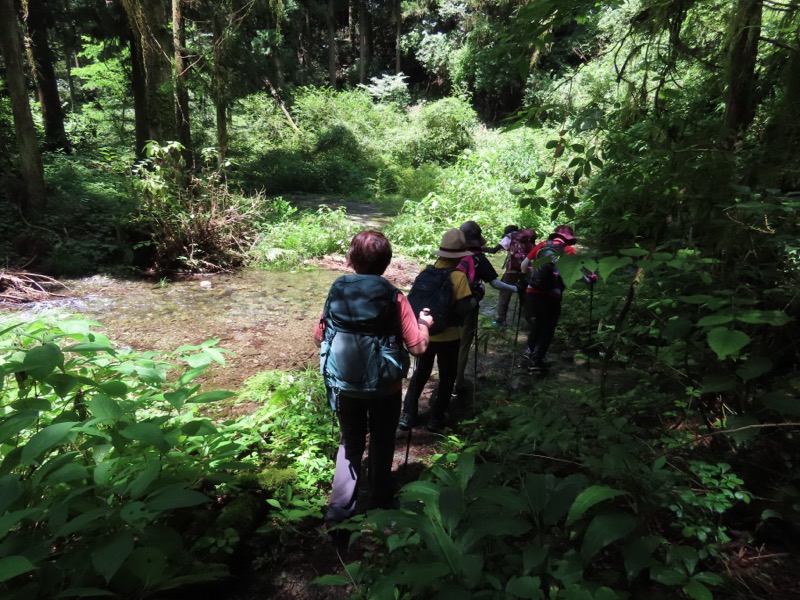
(538, 366)
(406, 422)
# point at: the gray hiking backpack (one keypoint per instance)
(362, 352)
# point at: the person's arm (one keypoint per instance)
(319, 332)
(493, 250)
(502, 286)
(415, 327)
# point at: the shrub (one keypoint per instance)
(447, 129)
(193, 221)
(310, 235)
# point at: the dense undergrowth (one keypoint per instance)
(639, 478)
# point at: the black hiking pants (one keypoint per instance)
(357, 416)
(446, 355)
(542, 312)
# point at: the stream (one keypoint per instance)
(264, 318)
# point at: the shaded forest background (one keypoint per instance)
(156, 138)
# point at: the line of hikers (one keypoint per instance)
(368, 328)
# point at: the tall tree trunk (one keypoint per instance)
(219, 89)
(745, 32)
(332, 43)
(140, 120)
(30, 157)
(40, 57)
(181, 91)
(398, 21)
(149, 22)
(362, 41)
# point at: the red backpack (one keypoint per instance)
(522, 243)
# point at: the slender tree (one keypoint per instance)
(332, 43)
(149, 23)
(745, 33)
(181, 89)
(40, 56)
(30, 158)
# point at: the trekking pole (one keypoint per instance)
(591, 302)
(475, 363)
(412, 390)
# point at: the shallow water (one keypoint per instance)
(266, 318)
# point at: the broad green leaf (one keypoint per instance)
(214, 396)
(147, 564)
(588, 498)
(191, 375)
(109, 557)
(451, 507)
(152, 375)
(11, 488)
(708, 578)
(633, 252)
(738, 421)
(525, 587)
(52, 464)
(533, 557)
(715, 319)
(421, 574)
(177, 398)
(638, 555)
(713, 384)
(9, 519)
(698, 299)
(755, 366)
(175, 496)
(135, 514)
(44, 441)
(697, 591)
(114, 388)
(666, 576)
(537, 489)
(139, 486)
(32, 404)
(42, 360)
(62, 383)
(66, 474)
(199, 427)
(782, 403)
(105, 408)
(498, 525)
(605, 529)
(147, 433)
(727, 342)
(11, 566)
(776, 318)
(82, 521)
(16, 422)
(89, 348)
(609, 264)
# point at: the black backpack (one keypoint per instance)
(433, 289)
(362, 352)
(544, 275)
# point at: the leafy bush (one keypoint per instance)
(445, 129)
(106, 467)
(310, 235)
(193, 222)
(83, 228)
(389, 89)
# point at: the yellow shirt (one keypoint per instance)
(460, 291)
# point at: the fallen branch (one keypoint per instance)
(20, 287)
